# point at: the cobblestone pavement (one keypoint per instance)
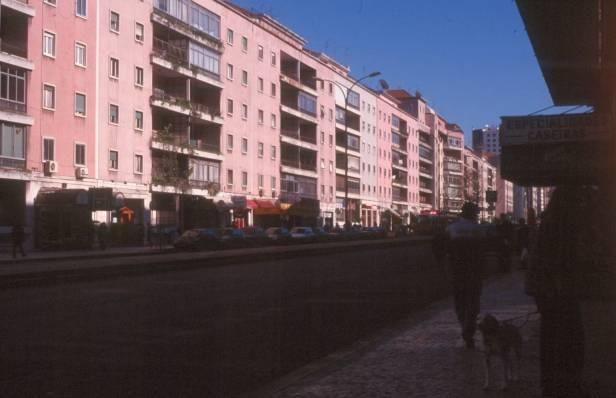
(424, 357)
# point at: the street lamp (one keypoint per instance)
(345, 92)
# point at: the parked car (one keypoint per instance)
(198, 239)
(278, 235)
(255, 236)
(321, 235)
(375, 232)
(232, 238)
(302, 234)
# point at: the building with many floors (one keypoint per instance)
(196, 113)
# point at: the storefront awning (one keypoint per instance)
(565, 35)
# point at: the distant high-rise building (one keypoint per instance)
(485, 140)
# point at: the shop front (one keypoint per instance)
(266, 212)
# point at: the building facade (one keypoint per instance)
(197, 113)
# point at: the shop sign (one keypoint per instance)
(238, 201)
(101, 198)
(543, 129)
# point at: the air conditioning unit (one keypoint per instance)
(50, 167)
(81, 172)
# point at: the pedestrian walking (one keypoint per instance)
(18, 236)
(102, 236)
(522, 242)
(563, 252)
(465, 249)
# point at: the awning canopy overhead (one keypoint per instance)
(565, 35)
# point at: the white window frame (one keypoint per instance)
(260, 84)
(85, 104)
(260, 150)
(273, 151)
(111, 75)
(244, 77)
(137, 69)
(230, 36)
(244, 111)
(229, 147)
(260, 116)
(85, 54)
(273, 90)
(244, 180)
(52, 139)
(136, 163)
(49, 108)
(244, 44)
(230, 71)
(230, 109)
(260, 181)
(244, 149)
(135, 119)
(229, 183)
(273, 58)
(84, 16)
(273, 121)
(85, 154)
(52, 36)
(142, 40)
(52, 3)
(111, 29)
(109, 114)
(260, 53)
(117, 160)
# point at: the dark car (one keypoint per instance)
(255, 236)
(198, 239)
(321, 235)
(302, 234)
(231, 238)
(278, 235)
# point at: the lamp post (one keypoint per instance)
(345, 92)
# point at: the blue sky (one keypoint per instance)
(471, 59)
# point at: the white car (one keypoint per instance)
(302, 233)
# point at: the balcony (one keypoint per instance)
(297, 132)
(20, 6)
(12, 163)
(399, 178)
(425, 141)
(399, 161)
(185, 107)
(161, 16)
(354, 186)
(398, 143)
(352, 142)
(174, 56)
(180, 143)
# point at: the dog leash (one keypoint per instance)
(527, 316)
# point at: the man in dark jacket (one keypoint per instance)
(464, 246)
(18, 236)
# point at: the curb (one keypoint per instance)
(140, 264)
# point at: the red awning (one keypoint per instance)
(251, 204)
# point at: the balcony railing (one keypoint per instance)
(201, 184)
(298, 136)
(175, 139)
(11, 106)
(14, 49)
(161, 95)
(12, 163)
(299, 165)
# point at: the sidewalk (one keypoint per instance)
(423, 357)
(6, 255)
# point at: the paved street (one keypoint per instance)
(421, 357)
(217, 331)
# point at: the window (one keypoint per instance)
(322, 137)
(331, 166)
(322, 163)
(229, 37)
(114, 114)
(80, 104)
(138, 76)
(244, 180)
(273, 121)
(204, 20)
(114, 21)
(245, 78)
(260, 181)
(273, 152)
(80, 54)
(81, 8)
(229, 178)
(49, 97)
(230, 107)
(12, 141)
(331, 140)
(273, 183)
(50, 2)
(13, 86)
(229, 143)
(353, 99)
(260, 116)
(113, 160)
(49, 149)
(260, 85)
(244, 145)
(244, 111)
(139, 32)
(114, 68)
(80, 155)
(260, 53)
(204, 58)
(229, 71)
(331, 88)
(244, 43)
(331, 115)
(138, 120)
(138, 164)
(273, 90)
(49, 44)
(273, 58)
(260, 149)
